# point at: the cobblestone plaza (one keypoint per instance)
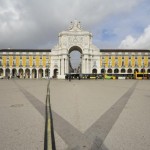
(96, 114)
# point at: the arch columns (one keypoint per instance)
(30, 73)
(10, 72)
(44, 72)
(37, 75)
(4, 72)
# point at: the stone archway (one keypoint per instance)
(40, 73)
(21, 73)
(14, 72)
(103, 71)
(116, 70)
(142, 70)
(47, 73)
(27, 73)
(129, 70)
(55, 74)
(136, 70)
(75, 60)
(109, 70)
(7, 72)
(1, 72)
(79, 40)
(94, 71)
(34, 73)
(123, 70)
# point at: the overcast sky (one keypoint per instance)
(113, 23)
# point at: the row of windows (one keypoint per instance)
(27, 57)
(122, 57)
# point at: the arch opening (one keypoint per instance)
(94, 71)
(55, 74)
(1, 72)
(75, 59)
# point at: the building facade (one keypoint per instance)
(55, 62)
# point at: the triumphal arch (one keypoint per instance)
(74, 38)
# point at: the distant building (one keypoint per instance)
(55, 62)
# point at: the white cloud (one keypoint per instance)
(143, 41)
(34, 23)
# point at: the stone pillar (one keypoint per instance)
(37, 73)
(62, 66)
(91, 63)
(10, 73)
(83, 64)
(43, 73)
(4, 72)
(30, 73)
(66, 65)
(87, 66)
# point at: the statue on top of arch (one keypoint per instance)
(75, 26)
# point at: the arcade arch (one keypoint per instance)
(136, 70)
(40, 73)
(34, 73)
(116, 70)
(94, 71)
(1, 72)
(21, 73)
(142, 70)
(27, 73)
(129, 70)
(14, 72)
(109, 70)
(123, 70)
(7, 72)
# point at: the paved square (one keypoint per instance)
(87, 114)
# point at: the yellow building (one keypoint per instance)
(36, 63)
(26, 63)
(124, 61)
